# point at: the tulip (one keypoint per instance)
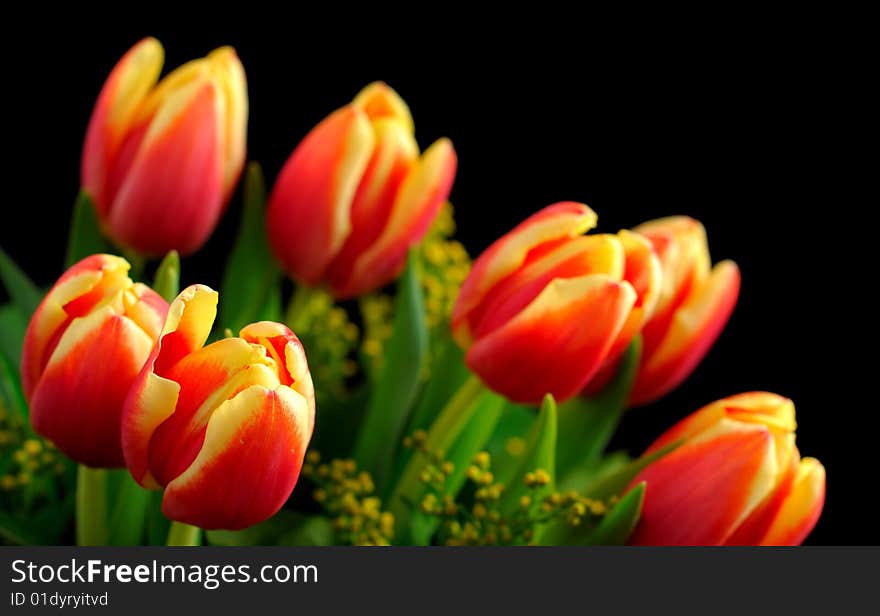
(355, 195)
(545, 306)
(160, 160)
(223, 427)
(695, 303)
(84, 347)
(736, 478)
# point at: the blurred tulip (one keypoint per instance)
(85, 344)
(224, 427)
(355, 195)
(160, 160)
(545, 306)
(737, 478)
(695, 303)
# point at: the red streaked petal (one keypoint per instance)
(419, 197)
(229, 74)
(153, 398)
(172, 194)
(556, 343)
(573, 258)
(208, 377)
(309, 214)
(78, 290)
(393, 158)
(78, 399)
(510, 251)
(290, 356)
(696, 325)
(801, 508)
(699, 493)
(380, 102)
(127, 86)
(249, 463)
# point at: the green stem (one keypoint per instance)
(297, 317)
(137, 261)
(91, 506)
(184, 534)
(442, 434)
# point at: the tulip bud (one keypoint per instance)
(545, 306)
(84, 346)
(695, 303)
(355, 195)
(160, 160)
(223, 427)
(736, 479)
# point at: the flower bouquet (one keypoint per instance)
(355, 378)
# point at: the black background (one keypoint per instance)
(740, 129)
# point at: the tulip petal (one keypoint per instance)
(394, 155)
(230, 77)
(207, 377)
(240, 477)
(79, 409)
(379, 101)
(760, 407)
(127, 86)
(283, 343)
(681, 245)
(80, 288)
(153, 397)
(695, 326)
(419, 198)
(315, 190)
(802, 507)
(557, 342)
(174, 186)
(578, 257)
(699, 493)
(553, 223)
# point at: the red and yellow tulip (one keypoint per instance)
(695, 303)
(545, 306)
(84, 347)
(223, 427)
(356, 194)
(160, 160)
(736, 479)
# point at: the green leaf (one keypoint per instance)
(13, 324)
(44, 527)
(619, 523)
(24, 293)
(251, 286)
(448, 372)
(11, 394)
(130, 510)
(473, 438)
(398, 384)
(167, 280)
(616, 482)
(284, 528)
(157, 525)
(540, 454)
(584, 475)
(85, 232)
(441, 437)
(589, 423)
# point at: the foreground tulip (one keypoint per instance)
(737, 478)
(545, 306)
(84, 347)
(696, 301)
(355, 195)
(224, 427)
(161, 159)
